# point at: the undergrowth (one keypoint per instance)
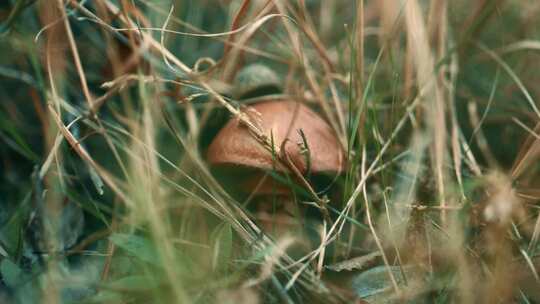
(108, 108)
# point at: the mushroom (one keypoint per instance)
(298, 133)
(307, 141)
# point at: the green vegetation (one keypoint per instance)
(108, 108)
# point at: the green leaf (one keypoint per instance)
(376, 281)
(11, 232)
(15, 140)
(137, 246)
(106, 296)
(134, 282)
(11, 273)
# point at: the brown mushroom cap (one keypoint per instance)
(234, 145)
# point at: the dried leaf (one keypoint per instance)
(355, 263)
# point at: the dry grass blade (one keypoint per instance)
(516, 79)
(355, 263)
(374, 233)
(76, 57)
(432, 95)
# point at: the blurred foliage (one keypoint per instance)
(170, 233)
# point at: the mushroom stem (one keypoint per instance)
(320, 202)
(277, 215)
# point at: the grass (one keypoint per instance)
(108, 108)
